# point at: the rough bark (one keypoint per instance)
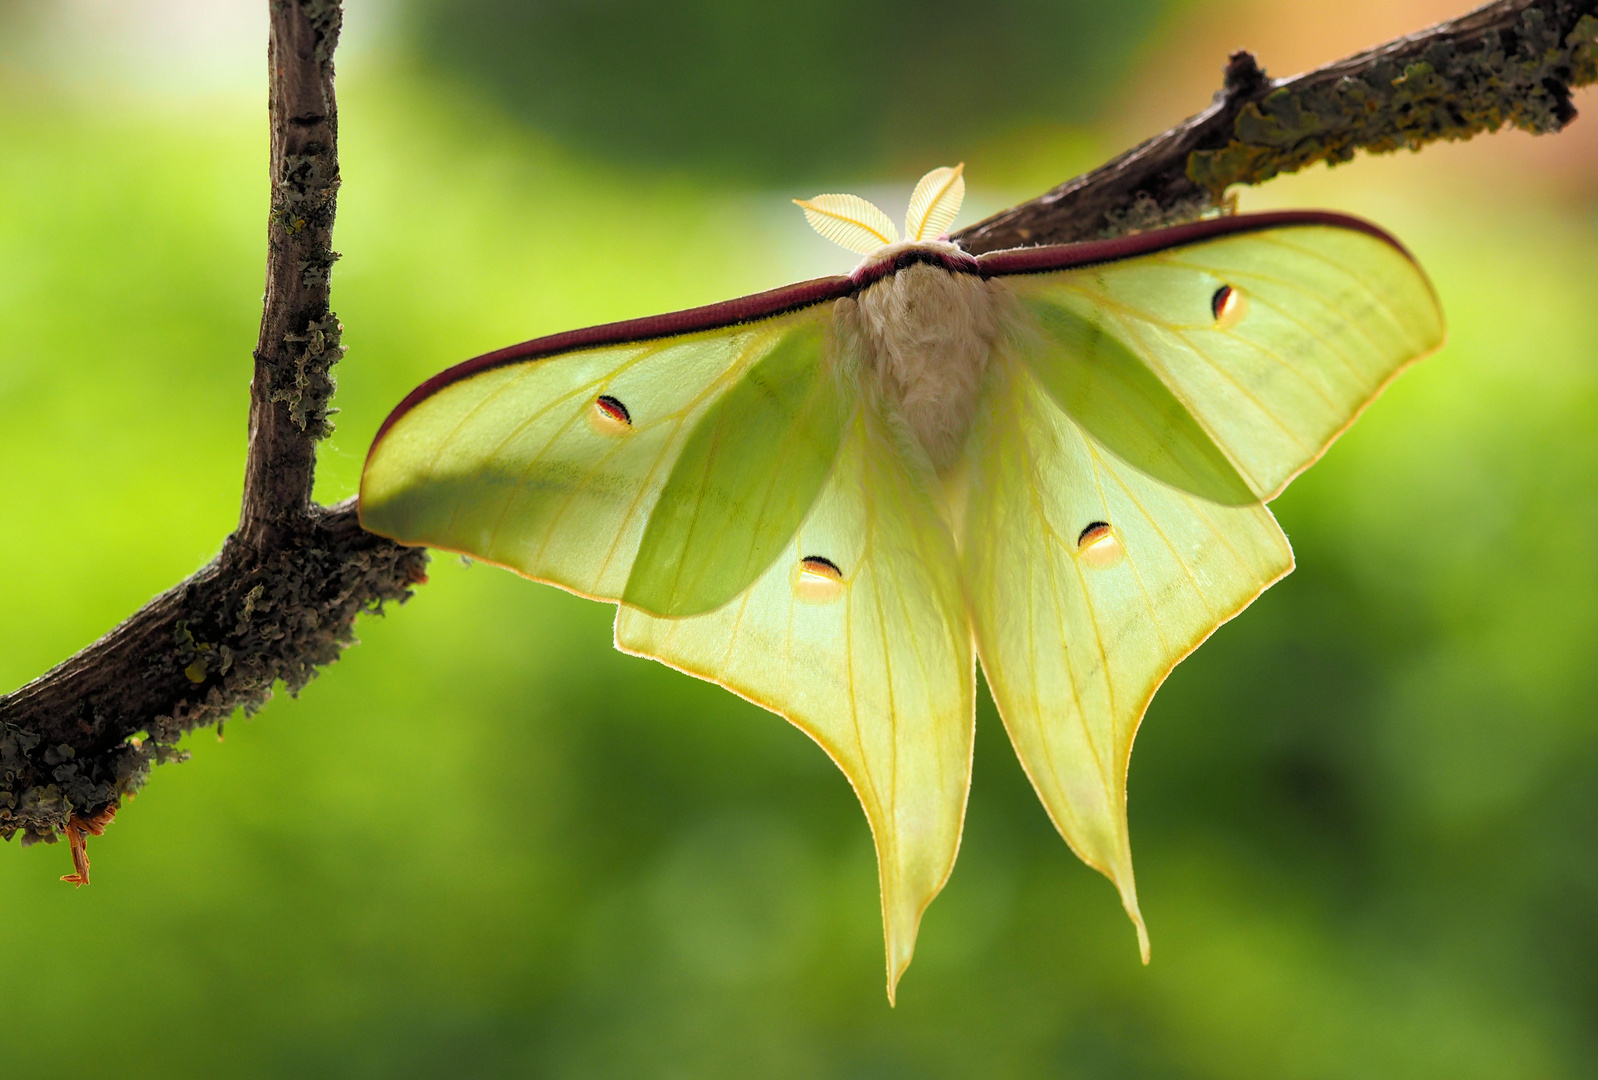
(281, 598)
(1511, 62)
(299, 340)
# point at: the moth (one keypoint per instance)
(835, 498)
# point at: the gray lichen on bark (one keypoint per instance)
(309, 385)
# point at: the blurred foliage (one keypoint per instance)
(1365, 814)
(786, 92)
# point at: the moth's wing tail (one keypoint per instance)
(1141, 412)
(1088, 582)
(873, 661)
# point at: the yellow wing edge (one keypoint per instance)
(1122, 877)
(898, 955)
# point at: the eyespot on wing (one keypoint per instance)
(609, 416)
(1228, 305)
(817, 580)
(1099, 546)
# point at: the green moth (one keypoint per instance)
(835, 497)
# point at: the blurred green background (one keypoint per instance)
(1365, 814)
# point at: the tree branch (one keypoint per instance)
(299, 339)
(281, 598)
(1512, 62)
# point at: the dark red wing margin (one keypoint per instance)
(710, 317)
(1037, 260)
(764, 305)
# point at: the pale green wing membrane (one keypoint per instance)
(562, 468)
(1270, 342)
(1137, 415)
(1119, 400)
(743, 481)
(1074, 640)
(866, 648)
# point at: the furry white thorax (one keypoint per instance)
(925, 334)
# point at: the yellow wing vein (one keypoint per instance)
(1054, 550)
(928, 558)
(1129, 319)
(444, 445)
(677, 417)
(515, 489)
(1170, 546)
(632, 507)
(888, 684)
(1338, 316)
(1104, 300)
(1034, 666)
(1143, 343)
(1196, 507)
(532, 418)
(1376, 297)
(1362, 380)
(1182, 335)
(1099, 469)
(532, 368)
(854, 698)
(717, 438)
(743, 360)
(1098, 633)
(790, 438)
(737, 628)
(448, 440)
(788, 665)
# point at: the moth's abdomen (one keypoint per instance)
(925, 334)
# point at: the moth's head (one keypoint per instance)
(859, 226)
